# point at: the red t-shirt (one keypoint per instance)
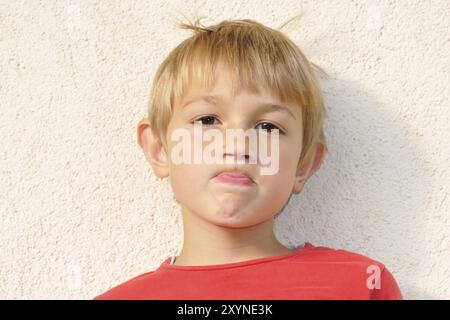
(309, 272)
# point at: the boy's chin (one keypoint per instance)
(233, 217)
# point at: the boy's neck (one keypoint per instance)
(208, 244)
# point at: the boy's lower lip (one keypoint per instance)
(234, 179)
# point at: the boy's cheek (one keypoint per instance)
(188, 179)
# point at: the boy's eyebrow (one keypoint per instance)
(265, 106)
(210, 99)
(271, 107)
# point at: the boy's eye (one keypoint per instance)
(268, 126)
(206, 120)
(209, 120)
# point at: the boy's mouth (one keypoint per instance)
(234, 177)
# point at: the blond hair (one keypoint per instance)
(257, 55)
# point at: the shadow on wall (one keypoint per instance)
(371, 191)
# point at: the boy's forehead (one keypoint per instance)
(219, 96)
(221, 91)
(220, 86)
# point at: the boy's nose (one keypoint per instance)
(236, 156)
(237, 148)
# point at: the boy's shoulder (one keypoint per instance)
(349, 269)
(123, 290)
(338, 255)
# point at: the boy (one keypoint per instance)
(242, 75)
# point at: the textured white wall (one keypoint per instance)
(82, 211)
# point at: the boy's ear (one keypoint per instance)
(307, 170)
(153, 148)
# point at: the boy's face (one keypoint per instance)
(240, 202)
